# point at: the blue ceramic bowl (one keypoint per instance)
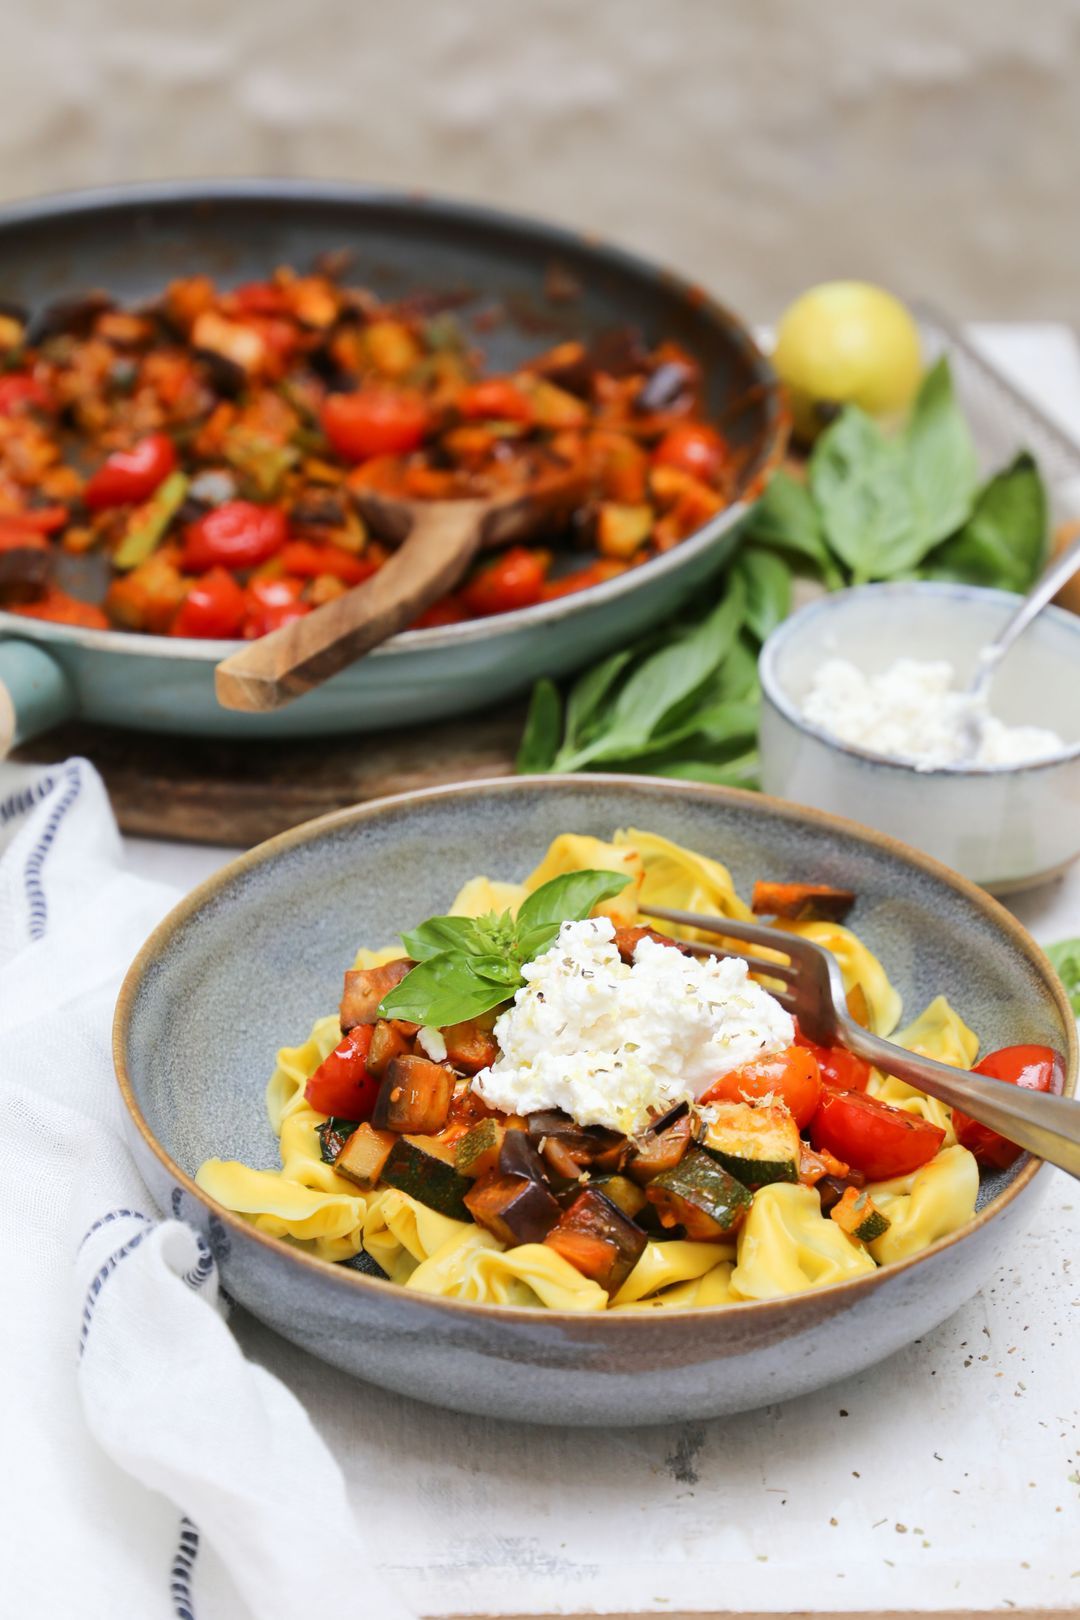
(254, 955)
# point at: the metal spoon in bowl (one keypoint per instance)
(1043, 591)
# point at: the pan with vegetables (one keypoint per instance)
(212, 397)
(534, 1107)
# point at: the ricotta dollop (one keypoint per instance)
(911, 712)
(612, 1043)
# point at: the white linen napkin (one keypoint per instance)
(150, 1469)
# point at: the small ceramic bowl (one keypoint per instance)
(1007, 826)
(248, 961)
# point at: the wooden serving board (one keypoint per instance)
(238, 793)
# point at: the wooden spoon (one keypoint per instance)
(441, 539)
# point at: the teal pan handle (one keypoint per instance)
(35, 693)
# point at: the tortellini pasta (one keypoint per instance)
(786, 1244)
(666, 1264)
(476, 1267)
(925, 1206)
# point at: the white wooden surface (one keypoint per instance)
(945, 1480)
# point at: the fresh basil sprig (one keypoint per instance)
(467, 965)
(684, 700)
(1065, 956)
(907, 505)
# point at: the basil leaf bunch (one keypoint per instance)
(905, 506)
(467, 965)
(1065, 957)
(681, 702)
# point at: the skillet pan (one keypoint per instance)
(547, 284)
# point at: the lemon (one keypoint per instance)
(846, 342)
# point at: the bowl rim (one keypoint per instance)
(447, 209)
(812, 1301)
(776, 693)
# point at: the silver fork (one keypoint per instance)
(1044, 1124)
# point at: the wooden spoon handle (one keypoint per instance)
(277, 668)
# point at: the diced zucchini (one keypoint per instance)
(858, 1216)
(621, 531)
(624, 1194)
(333, 1134)
(364, 1155)
(701, 1196)
(598, 1239)
(756, 1144)
(414, 1096)
(422, 1169)
(515, 1208)
(477, 1152)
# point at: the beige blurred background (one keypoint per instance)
(933, 145)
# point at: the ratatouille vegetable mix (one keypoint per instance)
(211, 446)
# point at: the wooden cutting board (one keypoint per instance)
(238, 793)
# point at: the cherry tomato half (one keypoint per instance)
(792, 1075)
(870, 1135)
(375, 421)
(694, 448)
(515, 580)
(1036, 1068)
(310, 561)
(130, 476)
(343, 1084)
(494, 399)
(448, 610)
(212, 610)
(18, 391)
(236, 534)
(270, 603)
(840, 1068)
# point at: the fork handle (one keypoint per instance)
(1044, 1124)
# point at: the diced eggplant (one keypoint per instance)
(628, 939)
(414, 1096)
(598, 1239)
(592, 1147)
(518, 1157)
(831, 1189)
(365, 989)
(26, 569)
(515, 1208)
(363, 1157)
(477, 1152)
(387, 1042)
(471, 1046)
(701, 1197)
(420, 1167)
(75, 317)
(801, 902)
(661, 1147)
(333, 1134)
